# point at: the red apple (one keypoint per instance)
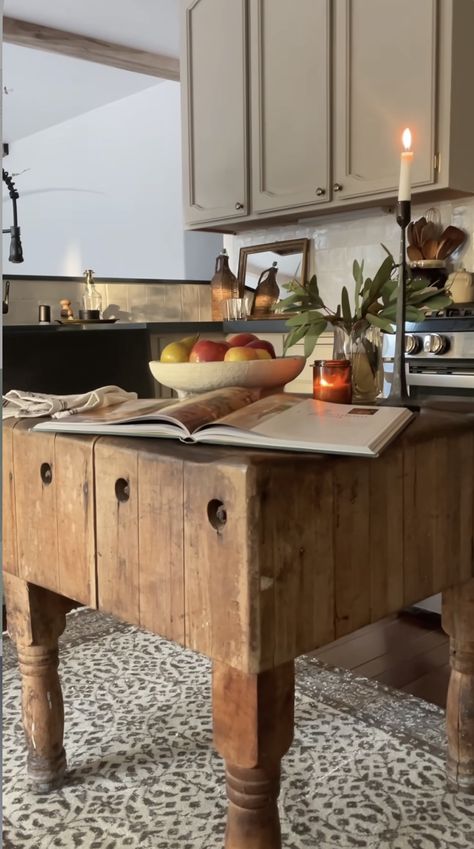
(206, 350)
(264, 345)
(240, 340)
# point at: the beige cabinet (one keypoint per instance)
(332, 85)
(290, 97)
(384, 80)
(397, 64)
(214, 108)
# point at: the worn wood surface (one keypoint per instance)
(315, 547)
(39, 37)
(54, 511)
(36, 530)
(252, 557)
(458, 622)
(36, 618)
(9, 543)
(140, 535)
(386, 560)
(117, 531)
(438, 515)
(161, 553)
(75, 517)
(253, 728)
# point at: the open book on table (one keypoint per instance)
(236, 416)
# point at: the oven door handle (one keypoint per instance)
(454, 381)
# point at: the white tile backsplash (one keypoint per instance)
(338, 239)
(335, 242)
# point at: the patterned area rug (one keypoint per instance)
(365, 770)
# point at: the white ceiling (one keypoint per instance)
(46, 88)
(146, 24)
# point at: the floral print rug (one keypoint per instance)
(366, 769)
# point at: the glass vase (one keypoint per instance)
(363, 347)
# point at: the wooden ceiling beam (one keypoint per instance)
(51, 40)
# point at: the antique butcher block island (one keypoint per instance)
(249, 557)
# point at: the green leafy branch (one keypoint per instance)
(375, 303)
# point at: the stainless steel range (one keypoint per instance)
(439, 354)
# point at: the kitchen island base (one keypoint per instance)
(306, 549)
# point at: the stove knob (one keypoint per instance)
(438, 344)
(412, 344)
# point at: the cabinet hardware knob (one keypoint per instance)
(338, 187)
(320, 191)
(46, 473)
(239, 205)
(122, 489)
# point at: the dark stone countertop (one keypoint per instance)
(156, 327)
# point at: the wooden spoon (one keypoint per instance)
(414, 253)
(454, 234)
(417, 228)
(428, 232)
(450, 241)
(430, 249)
(410, 234)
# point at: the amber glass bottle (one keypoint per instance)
(267, 291)
(224, 285)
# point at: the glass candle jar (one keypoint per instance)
(332, 381)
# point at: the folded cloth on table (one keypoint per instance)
(18, 404)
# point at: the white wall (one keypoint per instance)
(338, 239)
(104, 191)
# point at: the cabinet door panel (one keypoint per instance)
(289, 103)
(385, 80)
(214, 84)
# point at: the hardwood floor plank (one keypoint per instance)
(408, 651)
(402, 674)
(387, 638)
(432, 687)
(414, 645)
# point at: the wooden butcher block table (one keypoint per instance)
(249, 557)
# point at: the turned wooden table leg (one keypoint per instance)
(253, 728)
(458, 622)
(36, 618)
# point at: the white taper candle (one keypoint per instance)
(404, 188)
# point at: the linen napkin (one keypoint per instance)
(19, 404)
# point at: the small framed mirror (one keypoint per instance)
(291, 257)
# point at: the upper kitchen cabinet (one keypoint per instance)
(290, 96)
(331, 86)
(398, 64)
(384, 81)
(214, 107)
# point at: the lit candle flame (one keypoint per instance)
(406, 139)
(324, 382)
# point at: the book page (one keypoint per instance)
(249, 418)
(184, 416)
(294, 422)
(208, 407)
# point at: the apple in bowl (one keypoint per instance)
(212, 364)
(245, 353)
(208, 351)
(262, 345)
(241, 340)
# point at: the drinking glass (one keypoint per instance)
(235, 308)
